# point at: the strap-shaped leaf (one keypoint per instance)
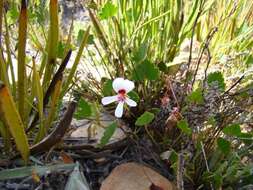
(22, 77)
(12, 120)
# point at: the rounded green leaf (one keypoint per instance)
(83, 110)
(145, 119)
(183, 125)
(232, 130)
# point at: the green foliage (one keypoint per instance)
(140, 40)
(83, 110)
(107, 87)
(141, 54)
(108, 10)
(22, 172)
(109, 131)
(232, 130)
(183, 125)
(196, 96)
(223, 145)
(145, 119)
(146, 70)
(249, 60)
(134, 96)
(216, 77)
(81, 35)
(30, 96)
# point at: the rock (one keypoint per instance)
(133, 176)
(92, 130)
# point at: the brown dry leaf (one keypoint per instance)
(131, 176)
(155, 187)
(66, 158)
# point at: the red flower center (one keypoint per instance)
(122, 94)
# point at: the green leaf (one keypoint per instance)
(23, 172)
(107, 87)
(13, 14)
(155, 110)
(80, 36)
(174, 156)
(11, 119)
(60, 50)
(218, 180)
(109, 131)
(134, 96)
(216, 77)
(249, 60)
(232, 130)
(141, 54)
(247, 138)
(196, 97)
(90, 39)
(183, 125)
(146, 70)
(108, 11)
(223, 145)
(145, 119)
(83, 110)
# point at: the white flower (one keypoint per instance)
(122, 87)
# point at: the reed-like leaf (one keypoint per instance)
(1, 20)
(52, 43)
(77, 61)
(53, 104)
(12, 120)
(9, 62)
(22, 77)
(38, 92)
(3, 69)
(23, 172)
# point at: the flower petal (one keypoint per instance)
(128, 85)
(120, 83)
(109, 99)
(119, 110)
(130, 102)
(117, 84)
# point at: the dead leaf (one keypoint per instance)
(66, 158)
(135, 176)
(155, 187)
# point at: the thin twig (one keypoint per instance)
(180, 172)
(207, 167)
(191, 43)
(206, 45)
(234, 85)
